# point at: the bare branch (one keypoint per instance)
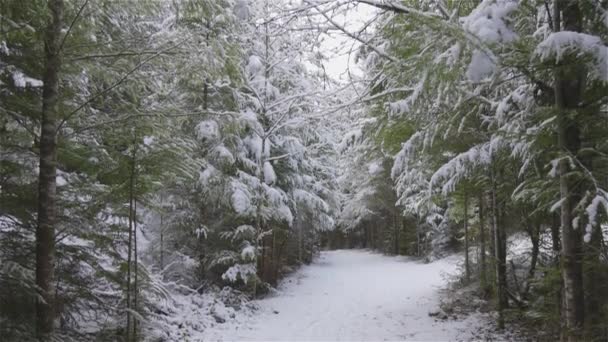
(72, 24)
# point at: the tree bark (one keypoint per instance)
(595, 328)
(135, 267)
(467, 270)
(397, 224)
(483, 281)
(47, 187)
(534, 233)
(568, 87)
(130, 241)
(555, 239)
(500, 256)
(162, 250)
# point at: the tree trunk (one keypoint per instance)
(594, 296)
(397, 233)
(483, 281)
(162, 250)
(417, 237)
(556, 249)
(555, 239)
(135, 267)
(130, 242)
(500, 256)
(467, 271)
(567, 96)
(45, 230)
(299, 239)
(534, 233)
(493, 261)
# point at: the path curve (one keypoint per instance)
(355, 295)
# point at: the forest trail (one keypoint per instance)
(356, 295)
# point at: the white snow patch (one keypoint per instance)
(374, 168)
(20, 80)
(269, 176)
(148, 141)
(224, 155)
(248, 253)
(241, 201)
(207, 130)
(254, 65)
(488, 21)
(4, 49)
(352, 295)
(559, 43)
(239, 271)
(481, 67)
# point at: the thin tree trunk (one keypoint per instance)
(500, 258)
(273, 257)
(493, 261)
(397, 233)
(299, 239)
(556, 247)
(595, 327)
(417, 236)
(47, 187)
(467, 271)
(135, 267)
(567, 96)
(370, 229)
(534, 232)
(162, 250)
(482, 248)
(130, 242)
(555, 239)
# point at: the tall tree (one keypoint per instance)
(45, 231)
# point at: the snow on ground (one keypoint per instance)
(353, 295)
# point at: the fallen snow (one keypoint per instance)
(352, 295)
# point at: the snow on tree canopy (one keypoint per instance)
(350, 138)
(207, 174)
(407, 149)
(277, 205)
(241, 198)
(374, 168)
(269, 176)
(311, 201)
(239, 271)
(460, 166)
(481, 67)
(248, 253)
(223, 154)
(254, 65)
(241, 9)
(244, 231)
(254, 146)
(599, 201)
(558, 44)
(207, 130)
(148, 141)
(20, 80)
(488, 22)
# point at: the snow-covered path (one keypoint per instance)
(356, 296)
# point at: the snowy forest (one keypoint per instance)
(214, 170)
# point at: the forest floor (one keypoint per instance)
(357, 295)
